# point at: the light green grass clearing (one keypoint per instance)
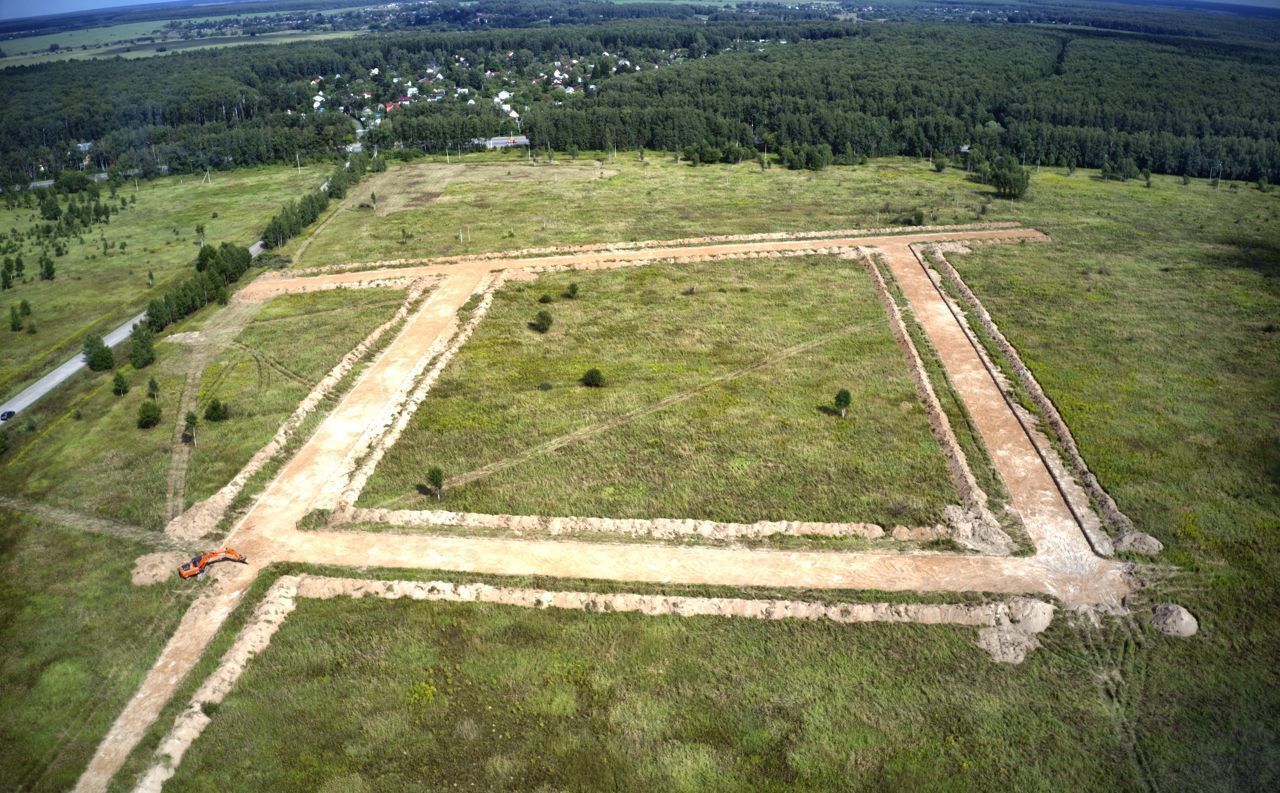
(502, 202)
(755, 447)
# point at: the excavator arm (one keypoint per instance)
(199, 564)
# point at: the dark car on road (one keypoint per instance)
(5, 416)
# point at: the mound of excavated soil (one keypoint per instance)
(1174, 620)
(156, 567)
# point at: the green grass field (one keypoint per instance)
(136, 40)
(501, 202)
(102, 464)
(1149, 319)
(76, 638)
(288, 348)
(1151, 322)
(80, 448)
(498, 698)
(661, 331)
(96, 292)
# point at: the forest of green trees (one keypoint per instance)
(1169, 99)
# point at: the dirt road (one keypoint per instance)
(1063, 566)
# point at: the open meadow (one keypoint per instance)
(96, 287)
(706, 367)
(493, 202)
(86, 433)
(488, 697)
(1149, 318)
(76, 638)
(1150, 321)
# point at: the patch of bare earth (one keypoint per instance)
(1064, 565)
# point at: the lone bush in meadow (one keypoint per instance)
(593, 379)
(542, 322)
(148, 414)
(217, 411)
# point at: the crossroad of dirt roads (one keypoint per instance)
(1063, 566)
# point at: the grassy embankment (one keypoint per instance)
(93, 291)
(665, 330)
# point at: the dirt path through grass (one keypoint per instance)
(1064, 565)
(83, 522)
(223, 327)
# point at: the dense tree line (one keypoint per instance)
(217, 269)
(295, 216)
(917, 90)
(1197, 106)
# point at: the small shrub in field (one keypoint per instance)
(119, 385)
(544, 299)
(593, 379)
(435, 483)
(542, 322)
(572, 291)
(843, 399)
(148, 414)
(217, 411)
(544, 386)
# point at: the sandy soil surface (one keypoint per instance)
(1064, 566)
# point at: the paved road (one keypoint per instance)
(32, 393)
(28, 396)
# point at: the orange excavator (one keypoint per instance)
(198, 564)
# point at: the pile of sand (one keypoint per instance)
(156, 567)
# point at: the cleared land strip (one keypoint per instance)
(285, 501)
(1006, 629)
(1086, 583)
(1064, 566)
(284, 283)
(1032, 489)
(686, 242)
(203, 516)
